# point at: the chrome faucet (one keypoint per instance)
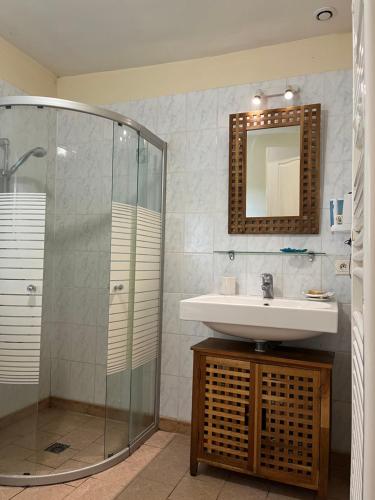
(267, 285)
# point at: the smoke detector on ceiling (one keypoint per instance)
(325, 13)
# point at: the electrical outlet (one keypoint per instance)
(342, 267)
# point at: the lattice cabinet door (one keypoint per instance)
(226, 412)
(288, 424)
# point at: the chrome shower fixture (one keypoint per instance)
(37, 152)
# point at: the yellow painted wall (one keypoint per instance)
(25, 73)
(311, 55)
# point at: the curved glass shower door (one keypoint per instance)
(80, 289)
(121, 292)
(24, 158)
(147, 299)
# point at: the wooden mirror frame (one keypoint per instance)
(308, 118)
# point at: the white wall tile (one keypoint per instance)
(175, 192)
(171, 114)
(169, 385)
(171, 316)
(201, 109)
(186, 354)
(177, 144)
(199, 233)
(82, 381)
(170, 357)
(184, 400)
(197, 273)
(173, 272)
(233, 100)
(174, 232)
(201, 150)
(199, 193)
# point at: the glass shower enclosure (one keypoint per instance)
(82, 195)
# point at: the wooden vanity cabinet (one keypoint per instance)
(264, 414)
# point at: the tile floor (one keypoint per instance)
(159, 471)
(23, 443)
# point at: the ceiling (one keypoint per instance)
(82, 36)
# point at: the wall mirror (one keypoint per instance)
(274, 171)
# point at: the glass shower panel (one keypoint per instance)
(146, 329)
(26, 152)
(121, 297)
(78, 289)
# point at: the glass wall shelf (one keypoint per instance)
(232, 253)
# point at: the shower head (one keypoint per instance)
(38, 152)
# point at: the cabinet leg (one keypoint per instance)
(193, 467)
(323, 491)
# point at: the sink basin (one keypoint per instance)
(259, 319)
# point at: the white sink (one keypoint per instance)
(261, 319)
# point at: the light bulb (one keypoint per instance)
(257, 98)
(288, 94)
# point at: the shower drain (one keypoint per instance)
(57, 447)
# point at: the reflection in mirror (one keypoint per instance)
(273, 172)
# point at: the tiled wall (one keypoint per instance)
(195, 125)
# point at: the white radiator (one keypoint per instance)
(22, 229)
(134, 312)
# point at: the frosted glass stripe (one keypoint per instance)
(147, 287)
(119, 348)
(20, 263)
(22, 230)
(125, 219)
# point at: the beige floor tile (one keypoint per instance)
(48, 414)
(244, 490)
(95, 423)
(190, 488)
(65, 423)
(37, 441)
(166, 468)
(77, 482)
(180, 441)
(54, 492)
(145, 489)
(13, 451)
(36, 469)
(160, 439)
(23, 427)
(71, 465)
(285, 492)
(7, 440)
(81, 438)
(93, 454)
(95, 489)
(210, 474)
(142, 457)
(52, 459)
(121, 472)
(7, 492)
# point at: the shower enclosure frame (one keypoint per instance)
(55, 103)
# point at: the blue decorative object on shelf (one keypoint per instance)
(293, 250)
